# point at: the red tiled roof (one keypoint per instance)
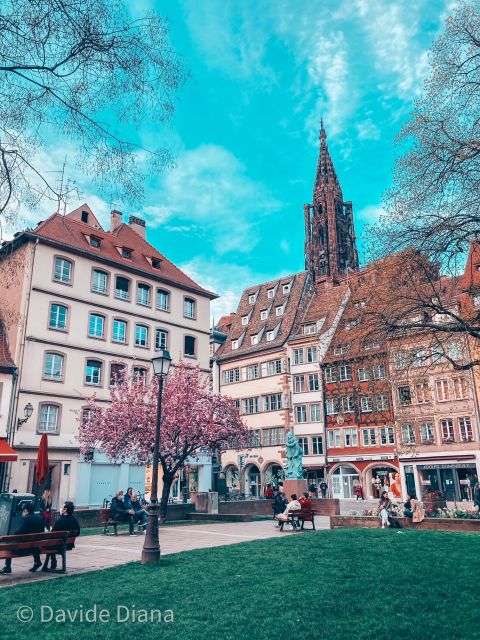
(323, 304)
(71, 233)
(6, 361)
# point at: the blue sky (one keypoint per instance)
(245, 132)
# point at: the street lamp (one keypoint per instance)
(151, 545)
(28, 410)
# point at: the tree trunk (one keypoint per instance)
(167, 484)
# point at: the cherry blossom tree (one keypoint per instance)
(193, 417)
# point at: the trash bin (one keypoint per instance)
(11, 506)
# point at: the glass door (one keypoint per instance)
(448, 484)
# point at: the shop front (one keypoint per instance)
(454, 478)
(342, 481)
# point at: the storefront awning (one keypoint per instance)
(7, 454)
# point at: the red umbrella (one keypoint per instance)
(42, 460)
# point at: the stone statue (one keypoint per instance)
(294, 470)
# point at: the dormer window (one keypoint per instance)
(279, 311)
(271, 293)
(309, 329)
(264, 314)
(254, 339)
(350, 324)
(359, 304)
(234, 345)
(252, 298)
(340, 350)
(156, 263)
(286, 288)
(270, 336)
(245, 320)
(126, 253)
(95, 242)
(85, 217)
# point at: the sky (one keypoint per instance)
(245, 131)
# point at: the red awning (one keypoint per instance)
(7, 454)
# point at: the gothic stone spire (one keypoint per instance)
(330, 247)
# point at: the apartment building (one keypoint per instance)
(8, 381)
(92, 305)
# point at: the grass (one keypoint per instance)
(342, 585)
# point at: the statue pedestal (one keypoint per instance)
(294, 486)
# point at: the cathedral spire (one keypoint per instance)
(330, 248)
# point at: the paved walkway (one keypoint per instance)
(101, 552)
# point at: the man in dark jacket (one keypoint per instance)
(31, 523)
(121, 513)
(279, 503)
(66, 522)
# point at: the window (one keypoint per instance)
(140, 374)
(448, 434)
(48, 418)
(378, 371)
(254, 438)
(119, 331)
(315, 413)
(286, 288)
(400, 360)
(359, 304)
(93, 372)
(96, 326)
(331, 406)
(298, 356)
(273, 402)
(270, 294)
(143, 294)
(363, 373)
(231, 375)
(340, 350)
(427, 433)
(300, 413)
(303, 442)
(350, 324)
(347, 404)
(334, 438)
(313, 382)
(53, 367)
(371, 345)
(189, 346)
(156, 262)
(309, 329)
(422, 392)
(387, 435)
(250, 405)
(163, 300)
(345, 372)
(62, 271)
(312, 354)
(366, 404)
(383, 403)
(58, 317)
(251, 372)
(245, 320)
(234, 345)
(279, 311)
(251, 298)
(141, 335)
(273, 436)
(419, 358)
(330, 374)
(122, 288)
(369, 438)
(95, 242)
(298, 384)
(351, 437)
(454, 351)
(254, 339)
(88, 414)
(263, 314)
(270, 336)
(465, 429)
(161, 339)
(99, 281)
(404, 396)
(117, 374)
(317, 445)
(271, 368)
(442, 389)
(460, 388)
(85, 216)
(408, 434)
(126, 253)
(189, 308)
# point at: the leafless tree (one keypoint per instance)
(84, 73)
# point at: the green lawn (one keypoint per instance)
(349, 584)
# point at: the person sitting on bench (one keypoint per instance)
(305, 502)
(31, 523)
(293, 505)
(121, 513)
(66, 522)
(140, 513)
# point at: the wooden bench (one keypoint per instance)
(19, 546)
(106, 521)
(298, 518)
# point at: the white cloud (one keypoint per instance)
(368, 130)
(370, 214)
(210, 189)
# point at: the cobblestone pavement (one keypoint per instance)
(101, 552)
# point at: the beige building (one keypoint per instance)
(90, 304)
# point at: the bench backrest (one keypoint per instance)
(105, 514)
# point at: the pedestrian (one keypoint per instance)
(31, 523)
(121, 513)
(268, 493)
(476, 496)
(66, 522)
(323, 489)
(46, 508)
(384, 508)
(358, 489)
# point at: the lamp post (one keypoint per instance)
(151, 545)
(28, 410)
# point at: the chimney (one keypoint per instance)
(115, 220)
(138, 225)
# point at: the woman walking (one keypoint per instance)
(46, 508)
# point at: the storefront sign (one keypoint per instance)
(447, 466)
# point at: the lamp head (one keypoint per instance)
(161, 363)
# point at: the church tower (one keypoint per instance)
(330, 248)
